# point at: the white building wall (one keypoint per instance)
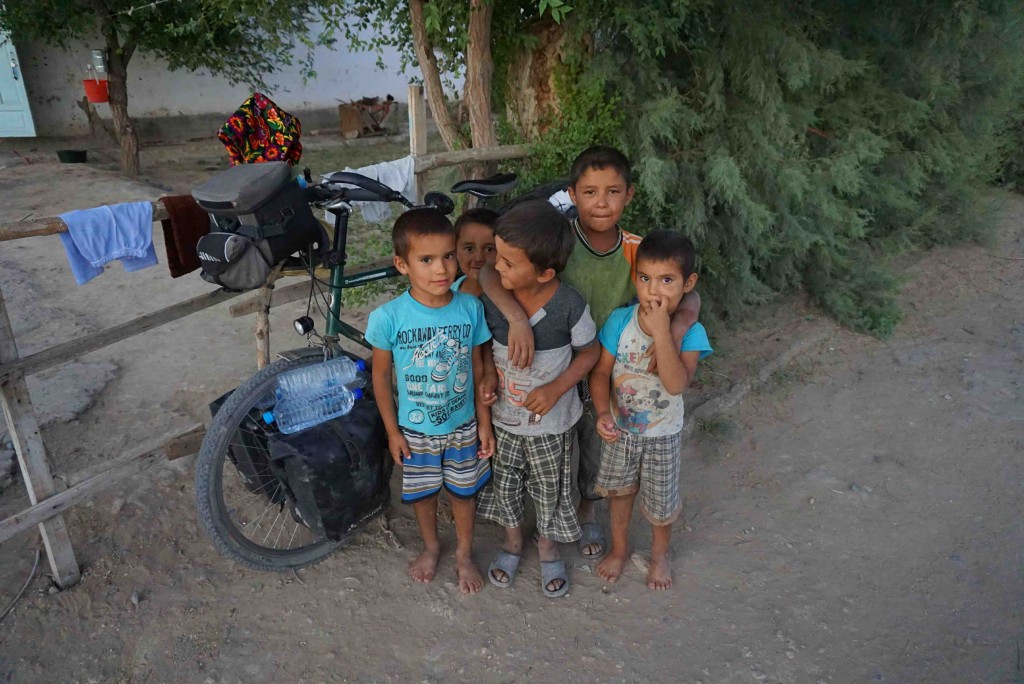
(53, 79)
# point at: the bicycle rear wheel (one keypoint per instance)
(242, 503)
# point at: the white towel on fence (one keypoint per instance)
(397, 175)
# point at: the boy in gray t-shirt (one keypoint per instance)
(537, 407)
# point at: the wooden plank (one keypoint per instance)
(418, 135)
(185, 444)
(474, 154)
(67, 351)
(35, 469)
(84, 488)
(52, 225)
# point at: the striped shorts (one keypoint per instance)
(449, 460)
(648, 464)
(541, 466)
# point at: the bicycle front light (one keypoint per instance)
(303, 325)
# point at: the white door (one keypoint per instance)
(15, 115)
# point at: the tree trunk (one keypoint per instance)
(479, 71)
(124, 128)
(532, 98)
(449, 130)
(118, 56)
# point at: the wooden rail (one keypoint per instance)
(423, 161)
(112, 472)
(53, 225)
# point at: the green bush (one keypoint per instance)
(800, 144)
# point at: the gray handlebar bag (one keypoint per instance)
(269, 215)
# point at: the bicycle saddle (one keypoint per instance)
(487, 187)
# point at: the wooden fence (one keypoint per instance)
(48, 496)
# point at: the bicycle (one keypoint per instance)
(243, 503)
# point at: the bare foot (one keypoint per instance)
(659, 575)
(470, 579)
(610, 567)
(423, 568)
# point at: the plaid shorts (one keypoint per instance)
(450, 460)
(540, 466)
(648, 464)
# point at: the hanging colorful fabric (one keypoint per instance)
(260, 131)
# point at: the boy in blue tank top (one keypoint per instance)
(431, 337)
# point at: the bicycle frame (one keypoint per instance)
(339, 281)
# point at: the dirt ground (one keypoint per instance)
(857, 519)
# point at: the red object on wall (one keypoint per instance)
(96, 91)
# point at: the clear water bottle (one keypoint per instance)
(295, 414)
(316, 378)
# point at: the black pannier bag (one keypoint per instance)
(259, 216)
(337, 471)
(248, 451)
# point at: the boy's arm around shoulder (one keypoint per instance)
(520, 334)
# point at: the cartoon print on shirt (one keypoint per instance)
(634, 407)
(436, 392)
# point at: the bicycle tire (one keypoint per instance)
(211, 506)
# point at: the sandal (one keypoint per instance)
(508, 563)
(550, 571)
(593, 533)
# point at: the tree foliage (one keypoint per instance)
(799, 144)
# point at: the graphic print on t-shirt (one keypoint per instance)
(432, 356)
(438, 373)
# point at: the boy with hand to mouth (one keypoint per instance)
(639, 412)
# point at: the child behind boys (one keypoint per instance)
(474, 244)
(644, 438)
(601, 268)
(428, 334)
(537, 406)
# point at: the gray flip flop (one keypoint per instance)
(552, 570)
(508, 563)
(593, 533)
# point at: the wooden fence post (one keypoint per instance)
(35, 470)
(418, 134)
(266, 292)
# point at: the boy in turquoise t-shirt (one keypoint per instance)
(431, 336)
(640, 413)
(601, 268)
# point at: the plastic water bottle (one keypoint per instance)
(315, 379)
(298, 413)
